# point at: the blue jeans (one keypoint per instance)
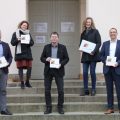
(92, 66)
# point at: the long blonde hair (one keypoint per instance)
(84, 23)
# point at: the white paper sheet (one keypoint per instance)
(54, 63)
(25, 39)
(3, 62)
(111, 61)
(87, 46)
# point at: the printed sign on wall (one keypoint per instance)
(67, 27)
(40, 27)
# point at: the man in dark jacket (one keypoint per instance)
(58, 51)
(5, 52)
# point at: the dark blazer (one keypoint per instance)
(61, 54)
(7, 54)
(25, 48)
(92, 36)
(105, 52)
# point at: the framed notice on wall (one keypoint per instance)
(41, 27)
(67, 27)
(40, 39)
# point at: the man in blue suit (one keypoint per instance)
(111, 72)
(5, 52)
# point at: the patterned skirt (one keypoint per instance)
(24, 64)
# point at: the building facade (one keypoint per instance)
(63, 16)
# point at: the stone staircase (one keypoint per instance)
(29, 104)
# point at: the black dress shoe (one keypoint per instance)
(93, 92)
(60, 111)
(86, 92)
(27, 84)
(22, 85)
(6, 112)
(48, 110)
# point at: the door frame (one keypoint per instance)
(83, 14)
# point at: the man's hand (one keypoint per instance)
(48, 59)
(116, 64)
(59, 66)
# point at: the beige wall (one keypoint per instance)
(11, 13)
(106, 15)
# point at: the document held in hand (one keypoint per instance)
(110, 61)
(87, 46)
(25, 39)
(3, 62)
(54, 63)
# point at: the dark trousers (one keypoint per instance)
(92, 66)
(28, 73)
(3, 91)
(112, 78)
(60, 88)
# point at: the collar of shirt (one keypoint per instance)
(113, 41)
(54, 45)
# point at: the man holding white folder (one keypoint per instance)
(55, 57)
(5, 61)
(110, 56)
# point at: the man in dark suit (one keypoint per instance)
(111, 71)
(58, 51)
(5, 52)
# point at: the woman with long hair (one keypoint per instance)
(91, 34)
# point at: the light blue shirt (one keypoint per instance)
(54, 52)
(1, 50)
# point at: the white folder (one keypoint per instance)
(87, 46)
(3, 62)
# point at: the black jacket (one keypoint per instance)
(7, 54)
(25, 48)
(92, 36)
(61, 54)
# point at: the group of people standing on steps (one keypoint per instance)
(23, 58)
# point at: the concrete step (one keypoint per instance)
(78, 82)
(66, 116)
(68, 107)
(38, 98)
(29, 104)
(40, 90)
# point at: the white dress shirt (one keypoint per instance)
(112, 48)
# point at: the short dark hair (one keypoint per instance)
(113, 29)
(54, 33)
(24, 21)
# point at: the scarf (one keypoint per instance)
(18, 51)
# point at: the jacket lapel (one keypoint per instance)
(117, 47)
(108, 48)
(49, 50)
(58, 52)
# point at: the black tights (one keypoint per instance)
(28, 73)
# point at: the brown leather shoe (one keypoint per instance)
(109, 111)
